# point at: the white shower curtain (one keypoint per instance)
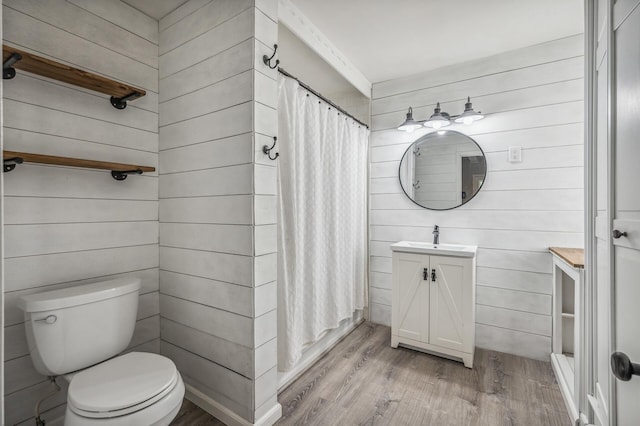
(322, 219)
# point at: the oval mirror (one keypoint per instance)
(442, 170)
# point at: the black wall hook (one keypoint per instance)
(267, 60)
(267, 150)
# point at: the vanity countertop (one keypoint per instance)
(454, 250)
(573, 256)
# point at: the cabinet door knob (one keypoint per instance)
(425, 274)
(622, 366)
(617, 234)
(433, 275)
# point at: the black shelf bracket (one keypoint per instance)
(121, 103)
(267, 60)
(11, 163)
(267, 150)
(8, 71)
(122, 175)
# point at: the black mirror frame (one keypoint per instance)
(450, 208)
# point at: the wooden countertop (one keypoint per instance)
(573, 256)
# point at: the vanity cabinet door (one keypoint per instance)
(410, 312)
(450, 308)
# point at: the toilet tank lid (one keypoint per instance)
(78, 295)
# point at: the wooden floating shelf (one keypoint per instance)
(119, 171)
(120, 92)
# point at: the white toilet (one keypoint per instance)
(78, 332)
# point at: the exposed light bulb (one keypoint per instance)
(409, 128)
(436, 124)
(467, 120)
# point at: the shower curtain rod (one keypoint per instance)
(308, 88)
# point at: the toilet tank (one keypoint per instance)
(76, 327)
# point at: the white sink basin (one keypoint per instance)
(438, 250)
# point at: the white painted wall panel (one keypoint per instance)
(226, 325)
(228, 354)
(71, 18)
(37, 90)
(219, 383)
(542, 74)
(59, 123)
(218, 294)
(226, 35)
(231, 180)
(217, 238)
(231, 268)
(209, 17)
(182, 12)
(228, 209)
(124, 16)
(551, 51)
(224, 65)
(533, 98)
(232, 239)
(223, 94)
(50, 41)
(218, 153)
(30, 210)
(34, 240)
(69, 226)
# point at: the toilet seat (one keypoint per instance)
(122, 385)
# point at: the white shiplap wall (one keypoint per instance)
(1, 258)
(217, 204)
(65, 226)
(534, 99)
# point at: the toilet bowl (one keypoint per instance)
(134, 389)
(78, 333)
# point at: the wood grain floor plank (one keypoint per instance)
(363, 381)
(382, 385)
(192, 415)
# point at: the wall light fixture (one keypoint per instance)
(440, 118)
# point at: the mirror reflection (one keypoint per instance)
(442, 170)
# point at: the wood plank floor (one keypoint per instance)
(363, 381)
(192, 415)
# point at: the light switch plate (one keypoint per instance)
(515, 154)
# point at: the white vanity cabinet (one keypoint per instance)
(433, 305)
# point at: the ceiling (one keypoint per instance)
(387, 39)
(157, 9)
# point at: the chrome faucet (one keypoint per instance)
(436, 235)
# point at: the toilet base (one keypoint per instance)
(159, 414)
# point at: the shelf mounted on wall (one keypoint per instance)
(119, 171)
(120, 93)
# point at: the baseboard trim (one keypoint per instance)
(227, 416)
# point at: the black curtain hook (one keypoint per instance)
(267, 150)
(267, 60)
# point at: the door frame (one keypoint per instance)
(587, 392)
(586, 378)
(615, 16)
